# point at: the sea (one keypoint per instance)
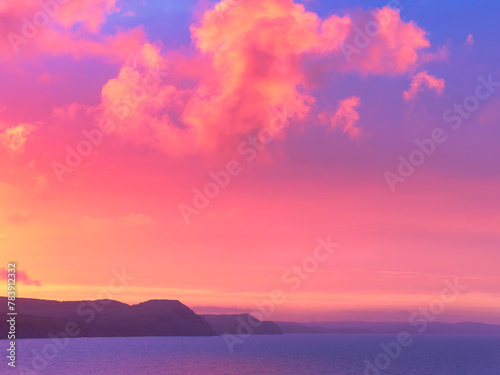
(290, 354)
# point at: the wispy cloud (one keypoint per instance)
(423, 80)
(21, 276)
(347, 116)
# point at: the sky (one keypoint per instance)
(206, 151)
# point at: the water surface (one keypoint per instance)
(299, 354)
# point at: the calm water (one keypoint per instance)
(273, 355)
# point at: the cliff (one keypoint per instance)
(103, 318)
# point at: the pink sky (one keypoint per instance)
(107, 130)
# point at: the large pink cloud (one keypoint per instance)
(250, 60)
(255, 57)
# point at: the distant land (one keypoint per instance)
(241, 323)
(107, 318)
(436, 328)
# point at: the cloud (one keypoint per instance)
(90, 14)
(422, 80)
(382, 43)
(249, 59)
(15, 138)
(74, 28)
(140, 103)
(442, 53)
(346, 116)
(115, 47)
(254, 64)
(21, 277)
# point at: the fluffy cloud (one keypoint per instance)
(382, 43)
(139, 103)
(421, 81)
(251, 59)
(347, 116)
(255, 54)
